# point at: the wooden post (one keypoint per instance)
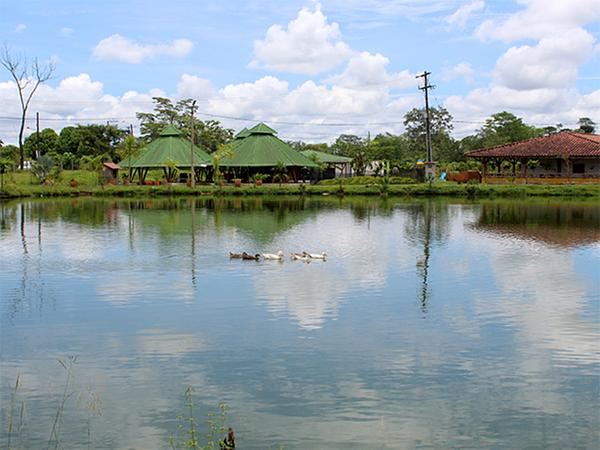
(524, 169)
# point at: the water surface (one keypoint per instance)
(431, 324)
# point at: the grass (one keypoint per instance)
(23, 184)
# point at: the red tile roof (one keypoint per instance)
(112, 166)
(559, 145)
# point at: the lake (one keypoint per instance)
(430, 324)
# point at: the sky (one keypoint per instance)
(311, 70)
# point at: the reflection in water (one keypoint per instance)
(561, 224)
(502, 349)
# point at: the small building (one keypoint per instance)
(334, 164)
(561, 158)
(110, 172)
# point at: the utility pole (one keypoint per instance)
(37, 135)
(426, 88)
(130, 149)
(192, 146)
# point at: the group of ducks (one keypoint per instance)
(304, 256)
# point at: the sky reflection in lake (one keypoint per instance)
(430, 324)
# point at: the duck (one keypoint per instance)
(236, 255)
(322, 255)
(300, 257)
(247, 256)
(278, 255)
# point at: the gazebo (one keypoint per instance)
(258, 150)
(332, 162)
(565, 157)
(170, 151)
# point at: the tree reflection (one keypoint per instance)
(561, 224)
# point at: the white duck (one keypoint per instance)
(316, 255)
(278, 255)
(299, 257)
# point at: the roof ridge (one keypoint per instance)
(585, 136)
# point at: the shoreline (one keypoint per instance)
(15, 191)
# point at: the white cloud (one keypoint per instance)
(191, 86)
(541, 18)
(552, 63)
(20, 28)
(309, 45)
(461, 70)
(462, 15)
(119, 48)
(368, 71)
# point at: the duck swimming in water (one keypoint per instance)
(235, 255)
(278, 255)
(315, 255)
(247, 256)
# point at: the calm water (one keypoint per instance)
(432, 324)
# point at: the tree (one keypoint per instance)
(27, 78)
(91, 140)
(46, 141)
(280, 173)
(440, 120)
(45, 169)
(586, 125)
(11, 153)
(209, 134)
(505, 128)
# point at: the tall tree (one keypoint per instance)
(28, 78)
(586, 125)
(209, 134)
(505, 128)
(443, 145)
(41, 143)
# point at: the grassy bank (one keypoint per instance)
(18, 185)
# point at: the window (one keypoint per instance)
(579, 168)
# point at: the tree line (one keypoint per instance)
(73, 146)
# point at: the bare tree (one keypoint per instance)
(28, 77)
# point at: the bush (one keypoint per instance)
(45, 169)
(366, 181)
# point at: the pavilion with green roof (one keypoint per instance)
(331, 162)
(258, 150)
(169, 151)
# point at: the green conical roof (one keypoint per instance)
(261, 148)
(327, 158)
(171, 147)
(170, 130)
(261, 128)
(242, 134)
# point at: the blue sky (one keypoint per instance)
(301, 64)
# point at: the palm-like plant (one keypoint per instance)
(280, 173)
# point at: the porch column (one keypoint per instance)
(524, 169)
(485, 169)
(514, 167)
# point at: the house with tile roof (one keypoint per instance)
(565, 157)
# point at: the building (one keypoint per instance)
(561, 158)
(259, 150)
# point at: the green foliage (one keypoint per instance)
(45, 169)
(280, 173)
(46, 141)
(366, 181)
(10, 153)
(188, 434)
(91, 140)
(224, 151)
(444, 147)
(208, 134)
(586, 125)
(505, 128)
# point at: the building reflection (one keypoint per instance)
(561, 224)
